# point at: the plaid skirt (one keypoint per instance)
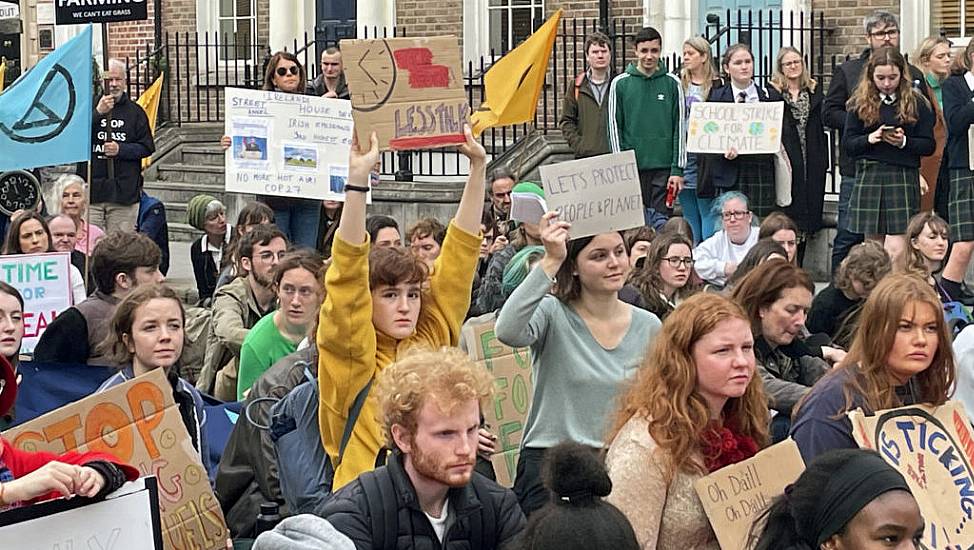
(884, 198)
(960, 206)
(755, 179)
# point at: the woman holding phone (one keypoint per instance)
(889, 127)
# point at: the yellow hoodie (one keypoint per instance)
(350, 352)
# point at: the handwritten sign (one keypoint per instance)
(513, 388)
(139, 423)
(751, 128)
(735, 495)
(933, 447)
(595, 194)
(408, 90)
(288, 145)
(127, 518)
(43, 280)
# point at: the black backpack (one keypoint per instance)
(305, 471)
(380, 494)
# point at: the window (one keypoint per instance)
(45, 37)
(511, 21)
(240, 17)
(953, 18)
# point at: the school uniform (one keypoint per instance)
(752, 175)
(887, 190)
(959, 115)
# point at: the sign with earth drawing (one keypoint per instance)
(750, 128)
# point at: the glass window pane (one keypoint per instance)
(521, 25)
(499, 31)
(243, 8)
(226, 8)
(494, 3)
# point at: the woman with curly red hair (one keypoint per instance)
(695, 407)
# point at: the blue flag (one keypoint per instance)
(45, 116)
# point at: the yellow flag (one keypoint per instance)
(149, 101)
(3, 71)
(512, 85)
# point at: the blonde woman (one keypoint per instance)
(698, 76)
(933, 58)
(803, 137)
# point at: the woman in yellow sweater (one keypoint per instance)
(377, 306)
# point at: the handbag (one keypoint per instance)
(782, 178)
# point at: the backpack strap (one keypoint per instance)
(578, 83)
(353, 413)
(483, 529)
(380, 494)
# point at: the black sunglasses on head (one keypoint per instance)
(293, 69)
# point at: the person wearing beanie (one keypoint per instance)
(489, 296)
(578, 517)
(845, 499)
(303, 532)
(207, 214)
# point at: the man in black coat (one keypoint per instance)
(331, 81)
(428, 496)
(121, 138)
(882, 31)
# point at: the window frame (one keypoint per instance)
(208, 21)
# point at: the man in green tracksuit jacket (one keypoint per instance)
(646, 115)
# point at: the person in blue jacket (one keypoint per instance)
(152, 222)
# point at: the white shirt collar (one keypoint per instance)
(751, 91)
(205, 245)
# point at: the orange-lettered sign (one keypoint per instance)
(139, 423)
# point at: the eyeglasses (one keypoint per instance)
(888, 33)
(735, 214)
(676, 261)
(304, 292)
(293, 69)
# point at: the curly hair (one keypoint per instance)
(913, 260)
(864, 102)
(763, 286)
(427, 227)
(665, 389)
(867, 263)
(648, 280)
(447, 377)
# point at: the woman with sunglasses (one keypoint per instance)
(665, 279)
(297, 218)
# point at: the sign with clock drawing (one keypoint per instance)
(408, 90)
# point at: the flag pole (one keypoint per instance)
(84, 219)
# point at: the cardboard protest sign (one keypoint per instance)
(127, 518)
(43, 280)
(735, 495)
(751, 128)
(288, 145)
(933, 447)
(513, 388)
(140, 424)
(408, 90)
(595, 194)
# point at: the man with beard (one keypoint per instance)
(237, 306)
(428, 495)
(121, 138)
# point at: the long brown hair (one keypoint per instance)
(912, 260)
(869, 384)
(864, 102)
(648, 281)
(665, 390)
(763, 286)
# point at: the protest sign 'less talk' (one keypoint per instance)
(595, 194)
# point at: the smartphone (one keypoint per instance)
(887, 129)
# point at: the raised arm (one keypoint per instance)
(471, 207)
(351, 226)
